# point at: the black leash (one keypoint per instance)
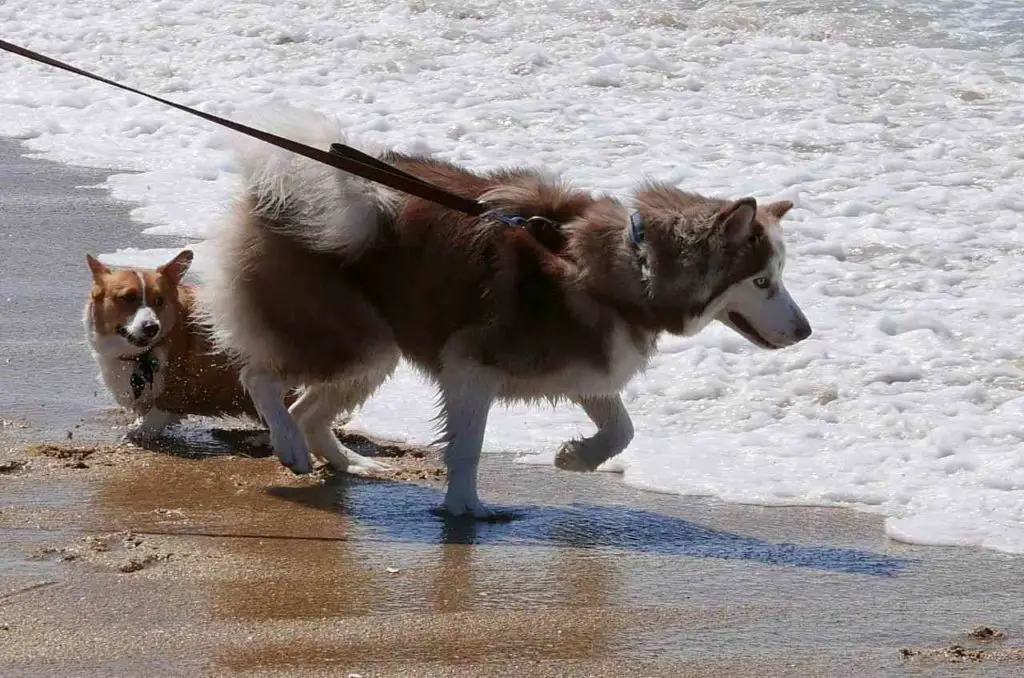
(341, 156)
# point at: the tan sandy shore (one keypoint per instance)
(205, 557)
(121, 561)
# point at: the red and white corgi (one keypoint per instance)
(153, 357)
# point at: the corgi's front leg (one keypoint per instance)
(153, 424)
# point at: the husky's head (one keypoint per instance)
(705, 259)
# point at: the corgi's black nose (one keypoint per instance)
(150, 329)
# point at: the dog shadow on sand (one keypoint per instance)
(397, 510)
(400, 511)
(199, 443)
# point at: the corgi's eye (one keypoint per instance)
(762, 283)
(129, 297)
(158, 301)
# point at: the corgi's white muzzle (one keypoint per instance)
(141, 329)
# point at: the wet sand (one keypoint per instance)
(205, 557)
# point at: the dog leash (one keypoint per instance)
(341, 156)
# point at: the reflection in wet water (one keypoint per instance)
(404, 512)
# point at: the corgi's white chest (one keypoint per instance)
(136, 393)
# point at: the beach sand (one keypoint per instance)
(205, 557)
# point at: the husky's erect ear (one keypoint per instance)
(176, 268)
(737, 219)
(98, 269)
(779, 209)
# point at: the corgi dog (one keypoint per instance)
(153, 357)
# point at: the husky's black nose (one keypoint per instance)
(150, 329)
(803, 331)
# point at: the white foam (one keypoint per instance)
(896, 128)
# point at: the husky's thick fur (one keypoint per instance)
(327, 280)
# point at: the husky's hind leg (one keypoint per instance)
(267, 394)
(318, 409)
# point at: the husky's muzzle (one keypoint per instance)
(771, 320)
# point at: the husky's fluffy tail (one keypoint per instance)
(325, 209)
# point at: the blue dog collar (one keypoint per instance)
(636, 228)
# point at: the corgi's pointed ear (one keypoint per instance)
(737, 219)
(778, 209)
(176, 268)
(97, 268)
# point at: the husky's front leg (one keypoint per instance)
(614, 433)
(467, 398)
(267, 394)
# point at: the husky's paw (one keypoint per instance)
(457, 508)
(343, 460)
(358, 465)
(292, 451)
(577, 455)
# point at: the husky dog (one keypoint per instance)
(327, 280)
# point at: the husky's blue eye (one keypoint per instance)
(762, 283)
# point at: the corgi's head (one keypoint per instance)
(132, 309)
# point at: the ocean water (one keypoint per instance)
(897, 128)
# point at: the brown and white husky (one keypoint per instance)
(327, 280)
